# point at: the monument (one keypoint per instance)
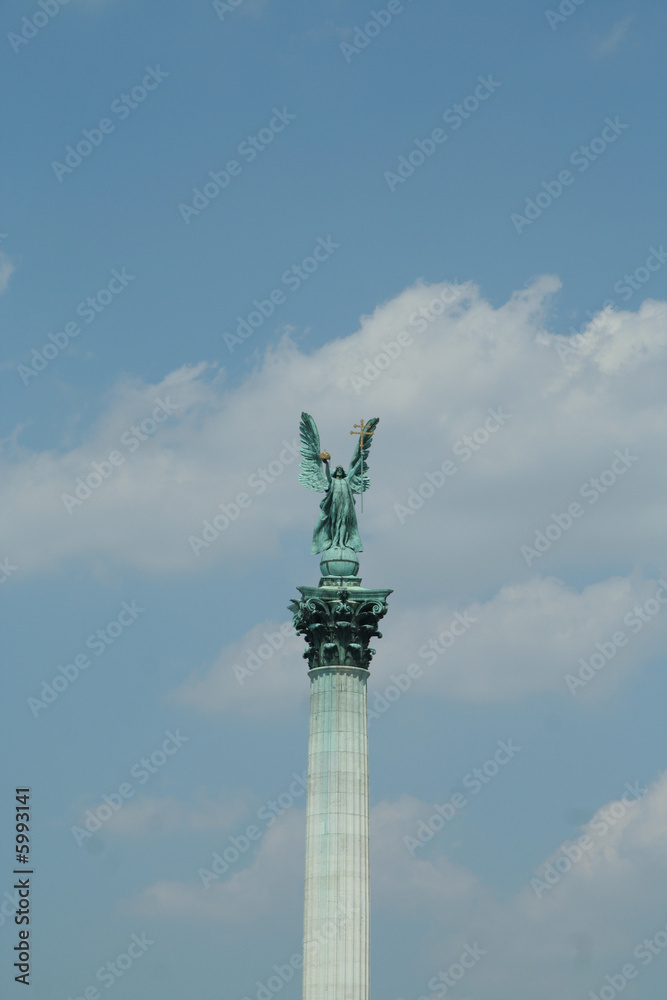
(338, 618)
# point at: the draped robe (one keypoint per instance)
(337, 523)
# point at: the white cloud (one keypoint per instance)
(566, 422)
(602, 907)
(523, 640)
(274, 876)
(166, 815)
(276, 873)
(605, 904)
(461, 549)
(411, 884)
(613, 344)
(563, 423)
(254, 676)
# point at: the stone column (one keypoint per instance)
(336, 943)
(338, 619)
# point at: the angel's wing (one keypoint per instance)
(357, 475)
(312, 474)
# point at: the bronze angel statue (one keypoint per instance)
(337, 523)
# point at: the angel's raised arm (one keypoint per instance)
(357, 475)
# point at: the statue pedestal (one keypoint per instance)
(338, 562)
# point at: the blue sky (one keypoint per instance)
(473, 197)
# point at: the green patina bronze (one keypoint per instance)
(339, 617)
(336, 533)
(338, 624)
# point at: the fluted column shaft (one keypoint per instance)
(336, 922)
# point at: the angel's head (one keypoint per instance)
(339, 472)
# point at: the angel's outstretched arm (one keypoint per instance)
(357, 475)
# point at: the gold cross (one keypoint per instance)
(362, 430)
